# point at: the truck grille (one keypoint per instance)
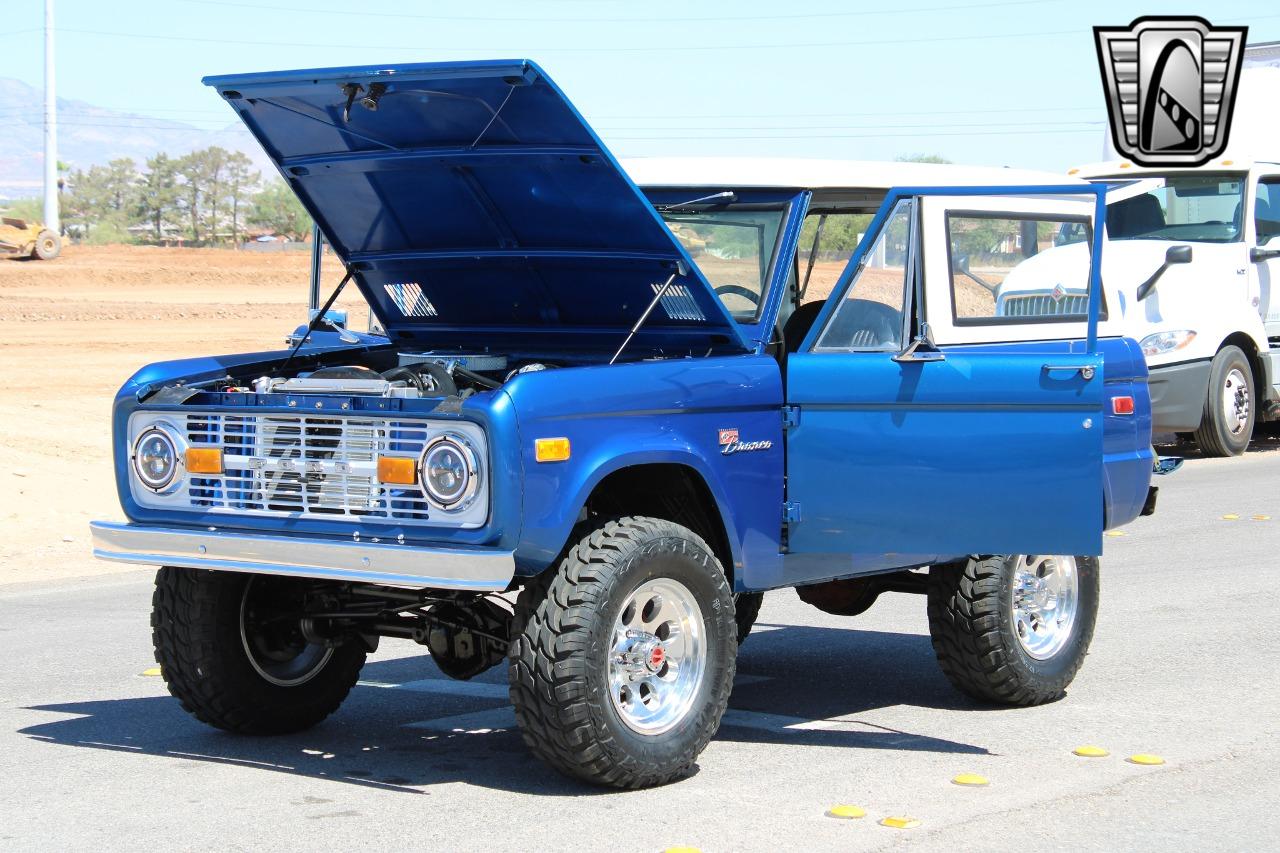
(300, 466)
(1044, 305)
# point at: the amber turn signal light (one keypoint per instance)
(204, 460)
(402, 470)
(551, 449)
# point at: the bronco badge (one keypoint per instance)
(730, 443)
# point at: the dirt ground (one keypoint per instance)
(71, 331)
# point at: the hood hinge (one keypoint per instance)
(790, 416)
(790, 512)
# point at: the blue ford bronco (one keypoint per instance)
(602, 420)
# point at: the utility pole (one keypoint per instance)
(51, 220)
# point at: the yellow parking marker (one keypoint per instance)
(1145, 759)
(900, 822)
(971, 780)
(682, 850)
(1231, 516)
(846, 812)
(1262, 518)
(1115, 532)
(1090, 752)
(155, 670)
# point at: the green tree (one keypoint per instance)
(120, 185)
(158, 192)
(276, 207)
(191, 183)
(240, 181)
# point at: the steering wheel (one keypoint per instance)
(738, 290)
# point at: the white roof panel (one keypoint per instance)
(821, 174)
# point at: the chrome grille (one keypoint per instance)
(306, 466)
(1044, 305)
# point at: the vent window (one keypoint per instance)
(409, 298)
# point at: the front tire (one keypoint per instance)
(48, 246)
(232, 663)
(623, 658)
(1013, 630)
(1231, 405)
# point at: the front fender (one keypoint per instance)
(667, 412)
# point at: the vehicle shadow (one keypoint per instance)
(403, 740)
(1266, 439)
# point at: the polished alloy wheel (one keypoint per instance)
(1045, 595)
(272, 639)
(658, 658)
(1235, 402)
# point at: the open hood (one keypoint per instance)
(471, 197)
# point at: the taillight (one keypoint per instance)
(1122, 405)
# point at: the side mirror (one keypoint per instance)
(1267, 251)
(1173, 255)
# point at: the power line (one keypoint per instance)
(953, 7)
(526, 50)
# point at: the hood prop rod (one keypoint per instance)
(318, 318)
(662, 291)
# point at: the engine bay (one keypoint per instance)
(413, 375)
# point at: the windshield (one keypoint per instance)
(733, 248)
(1205, 208)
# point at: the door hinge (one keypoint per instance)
(790, 416)
(790, 512)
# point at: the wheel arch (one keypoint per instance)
(1249, 347)
(673, 491)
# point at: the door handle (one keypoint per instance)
(1086, 371)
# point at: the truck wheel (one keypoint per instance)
(233, 663)
(746, 607)
(1013, 630)
(624, 656)
(48, 246)
(1231, 407)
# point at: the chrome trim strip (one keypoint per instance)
(476, 569)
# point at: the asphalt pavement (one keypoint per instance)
(827, 711)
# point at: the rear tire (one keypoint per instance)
(230, 672)
(48, 246)
(1231, 405)
(1001, 637)
(593, 695)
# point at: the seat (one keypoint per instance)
(1134, 217)
(859, 323)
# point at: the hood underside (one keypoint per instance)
(472, 197)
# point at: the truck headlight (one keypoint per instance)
(1163, 342)
(450, 472)
(155, 459)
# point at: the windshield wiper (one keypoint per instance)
(725, 197)
(813, 256)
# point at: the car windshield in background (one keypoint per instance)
(733, 248)
(1205, 208)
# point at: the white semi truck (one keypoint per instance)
(1192, 269)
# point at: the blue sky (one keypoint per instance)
(1000, 82)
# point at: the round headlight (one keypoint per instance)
(450, 472)
(155, 458)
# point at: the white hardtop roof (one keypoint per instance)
(821, 174)
(1127, 169)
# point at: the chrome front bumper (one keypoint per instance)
(477, 569)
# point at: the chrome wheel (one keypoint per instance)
(272, 639)
(1045, 595)
(1235, 402)
(658, 658)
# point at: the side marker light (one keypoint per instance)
(551, 449)
(400, 470)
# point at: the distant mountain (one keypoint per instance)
(89, 135)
